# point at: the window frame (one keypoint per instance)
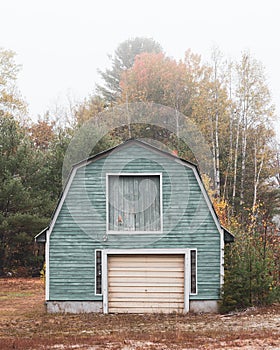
(96, 271)
(160, 231)
(196, 291)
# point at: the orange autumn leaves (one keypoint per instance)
(154, 77)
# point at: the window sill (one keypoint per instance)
(134, 232)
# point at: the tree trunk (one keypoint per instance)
(256, 176)
(235, 164)
(243, 149)
(217, 156)
(230, 159)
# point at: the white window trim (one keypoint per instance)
(185, 252)
(193, 249)
(111, 232)
(95, 264)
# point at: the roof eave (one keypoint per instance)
(228, 237)
(41, 236)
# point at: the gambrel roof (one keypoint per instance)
(41, 237)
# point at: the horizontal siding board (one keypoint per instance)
(81, 225)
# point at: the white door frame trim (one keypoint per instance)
(185, 252)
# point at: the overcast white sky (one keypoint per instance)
(61, 43)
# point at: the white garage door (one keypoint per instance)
(145, 283)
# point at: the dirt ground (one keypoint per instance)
(24, 324)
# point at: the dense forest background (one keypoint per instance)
(230, 103)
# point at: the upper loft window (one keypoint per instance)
(134, 203)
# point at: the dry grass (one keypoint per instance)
(24, 324)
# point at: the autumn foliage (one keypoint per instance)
(153, 77)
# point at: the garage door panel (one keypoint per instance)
(145, 257)
(145, 304)
(145, 307)
(163, 297)
(146, 274)
(143, 268)
(120, 280)
(138, 262)
(143, 310)
(146, 283)
(149, 289)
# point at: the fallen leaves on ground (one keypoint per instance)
(24, 324)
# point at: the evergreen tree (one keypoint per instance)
(122, 60)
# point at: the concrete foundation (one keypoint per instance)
(204, 306)
(74, 307)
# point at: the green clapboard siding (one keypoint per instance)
(80, 227)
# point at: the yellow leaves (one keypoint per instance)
(207, 181)
(221, 208)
